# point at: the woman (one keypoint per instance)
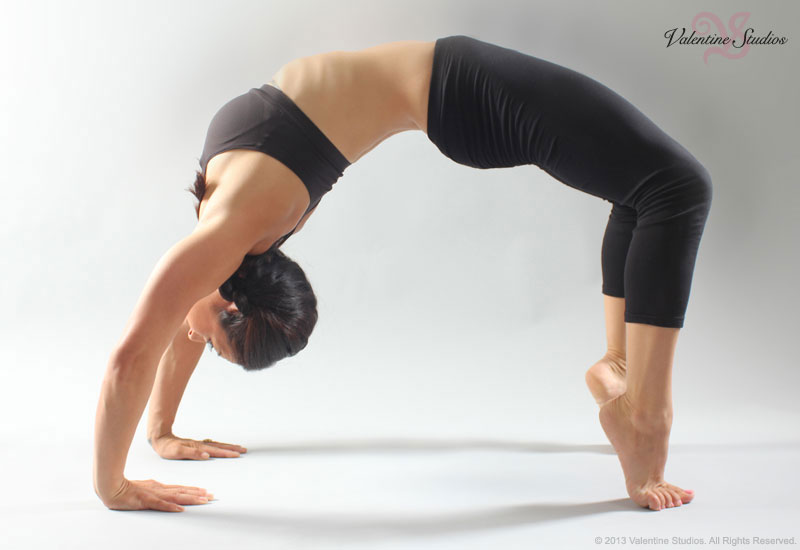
(271, 154)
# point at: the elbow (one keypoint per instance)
(124, 361)
(121, 357)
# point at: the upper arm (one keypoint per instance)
(245, 211)
(191, 269)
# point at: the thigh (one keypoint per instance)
(494, 107)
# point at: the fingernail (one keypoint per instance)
(203, 499)
(205, 455)
(210, 497)
(690, 491)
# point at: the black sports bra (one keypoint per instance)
(266, 119)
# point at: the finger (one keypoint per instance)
(185, 498)
(155, 503)
(172, 492)
(194, 453)
(229, 446)
(220, 453)
(182, 489)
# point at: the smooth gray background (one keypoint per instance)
(458, 306)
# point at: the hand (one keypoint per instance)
(176, 448)
(152, 495)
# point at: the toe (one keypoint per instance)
(686, 496)
(673, 496)
(663, 498)
(654, 501)
(667, 496)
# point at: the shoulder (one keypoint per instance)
(255, 191)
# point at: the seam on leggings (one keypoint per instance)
(671, 322)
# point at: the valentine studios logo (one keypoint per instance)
(732, 42)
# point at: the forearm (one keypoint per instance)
(174, 371)
(125, 390)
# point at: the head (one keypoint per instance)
(276, 310)
(263, 313)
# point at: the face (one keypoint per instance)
(204, 325)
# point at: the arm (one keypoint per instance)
(183, 276)
(176, 367)
(193, 268)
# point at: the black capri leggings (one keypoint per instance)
(493, 107)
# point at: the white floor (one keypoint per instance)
(359, 442)
(383, 492)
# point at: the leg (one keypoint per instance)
(658, 272)
(492, 107)
(638, 422)
(606, 378)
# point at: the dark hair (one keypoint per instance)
(277, 310)
(198, 189)
(277, 306)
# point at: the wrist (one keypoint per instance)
(157, 430)
(107, 487)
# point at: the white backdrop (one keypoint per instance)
(453, 302)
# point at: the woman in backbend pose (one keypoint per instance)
(271, 153)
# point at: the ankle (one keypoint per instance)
(616, 361)
(644, 418)
(615, 355)
(650, 420)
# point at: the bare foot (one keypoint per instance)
(642, 452)
(606, 378)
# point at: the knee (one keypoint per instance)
(702, 189)
(706, 190)
(684, 192)
(695, 190)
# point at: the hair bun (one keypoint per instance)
(226, 291)
(250, 275)
(277, 309)
(242, 303)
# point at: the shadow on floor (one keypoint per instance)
(750, 446)
(416, 445)
(401, 525)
